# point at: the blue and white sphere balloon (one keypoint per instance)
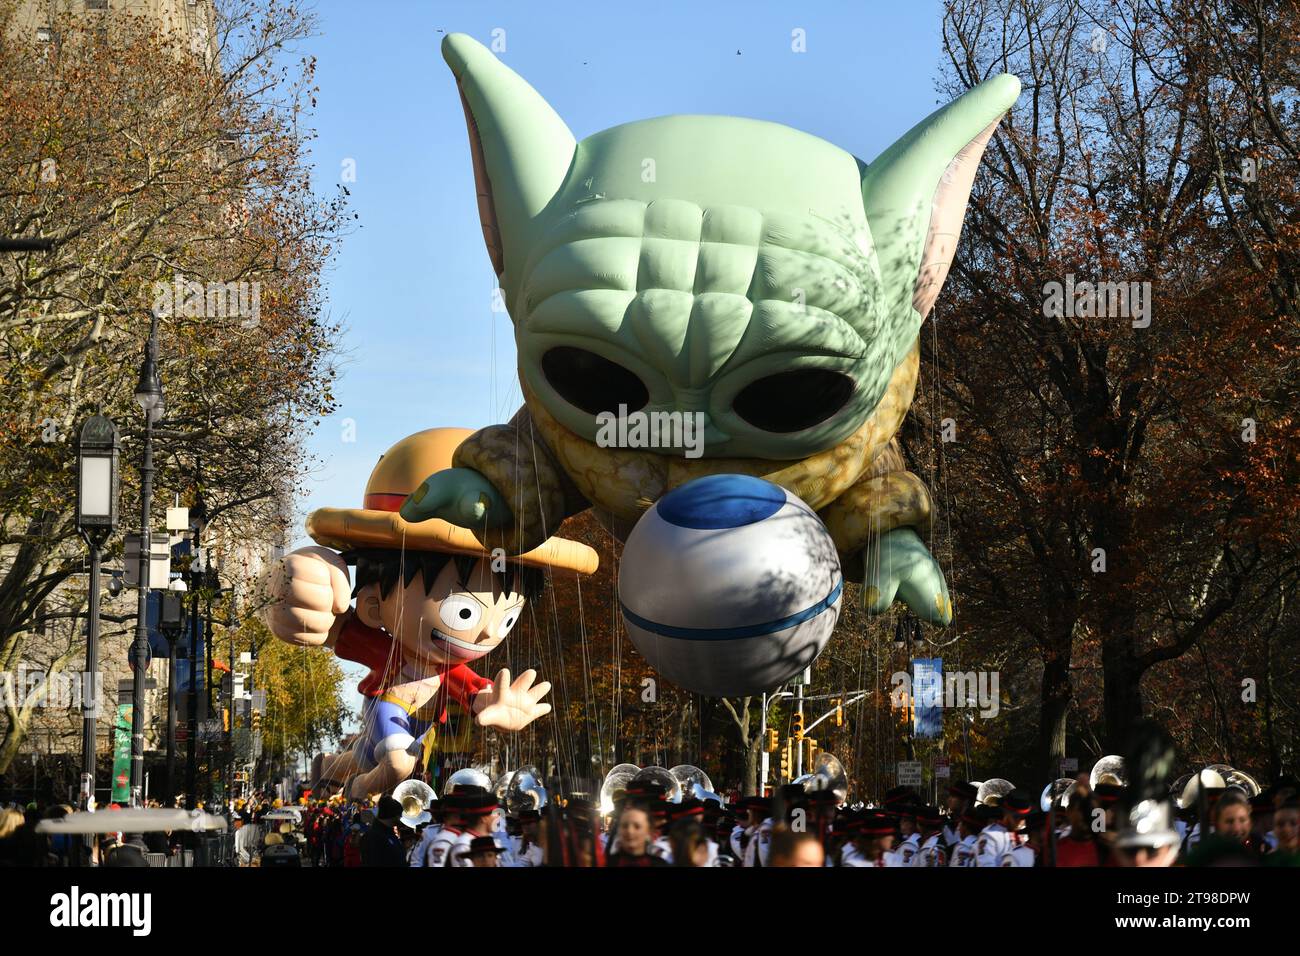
(730, 585)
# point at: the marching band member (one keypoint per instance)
(1003, 834)
(660, 845)
(961, 796)
(910, 840)
(759, 832)
(968, 828)
(931, 851)
(877, 841)
(438, 850)
(527, 852)
(478, 809)
(427, 836)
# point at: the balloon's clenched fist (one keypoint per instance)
(310, 594)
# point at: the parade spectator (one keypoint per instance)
(381, 845)
(634, 836)
(1080, 846)
(246, 840)
(11, 847)
(1232, 817)
(793, 849)
(1230, 842)
(1286, 831)
(352, 846)
(688, 843)
(130, 853)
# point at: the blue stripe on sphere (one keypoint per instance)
(731, 633)
(721, 501)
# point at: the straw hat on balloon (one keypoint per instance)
(400, 470)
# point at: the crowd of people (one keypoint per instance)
(1086, 826)
(22, 845)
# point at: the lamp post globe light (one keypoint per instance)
(98, 450)
(149, 396)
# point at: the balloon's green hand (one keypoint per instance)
(906, 571)
(459, 496)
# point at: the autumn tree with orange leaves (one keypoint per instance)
(1123, 487)
(151, 163)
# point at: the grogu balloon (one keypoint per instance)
(701, 295)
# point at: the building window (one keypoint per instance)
(96, 4)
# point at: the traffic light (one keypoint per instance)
(839, 711)
(225, 718)
(773, 741)
(798, 726)
(257, 721)
(809, 751)
(785, 761)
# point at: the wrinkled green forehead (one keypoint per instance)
(721, 161)
(697, 287)
(687, 220)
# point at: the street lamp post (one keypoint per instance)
(149, 396)
(198, 521)
(98, 450)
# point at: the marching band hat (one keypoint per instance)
(874, 823)
(967, 791)
(929, 816)
(687, 808)
(484, 844)
(1017, 802)
(477, 804)
(1108, 793)
(896, 795)
(645, 788)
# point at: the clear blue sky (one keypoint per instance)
(413, 284)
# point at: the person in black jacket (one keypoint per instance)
(381, 845)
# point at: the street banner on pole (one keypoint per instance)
(122, 754)
(927, 689)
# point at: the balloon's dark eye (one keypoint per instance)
(795, 400)
(592, 383)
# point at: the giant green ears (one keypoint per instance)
(522, 149)
(915, 197)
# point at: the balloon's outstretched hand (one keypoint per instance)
(903, 569)
(459, 496)
(512, 706)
